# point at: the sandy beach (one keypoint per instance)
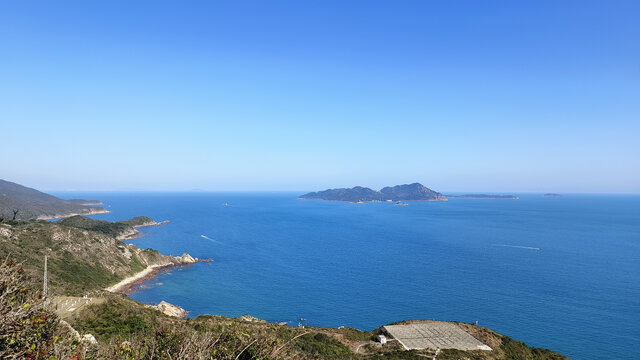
(127, 282)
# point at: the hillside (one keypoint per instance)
(122, 318)
(32, 204)
(411, 192)
(118, 229)
(80, 260)
(407, 192)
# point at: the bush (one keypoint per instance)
(27, 328)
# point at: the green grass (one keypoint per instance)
(117, 318)
(517, 350)
(136, 264)
(105, 227)
(80, 276)
(322, 346)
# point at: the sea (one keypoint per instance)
(560, 273)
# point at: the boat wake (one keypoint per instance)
(210, 239)
(518, 247)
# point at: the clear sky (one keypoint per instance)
(493, 96)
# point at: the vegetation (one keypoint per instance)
(20, 202)
(114, 229)
(80, 260)
(320, 345)
(28, 330)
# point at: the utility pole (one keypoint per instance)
(45, 288)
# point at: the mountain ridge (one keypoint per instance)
(33, 204)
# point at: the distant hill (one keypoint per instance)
(32, 204)
(408, 192)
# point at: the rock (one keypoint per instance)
(187, 259)
(253, 319)
(89, 338)
(171, 310)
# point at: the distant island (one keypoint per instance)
(551, 195)
(359, 194)
(483, 196)
(21, 203)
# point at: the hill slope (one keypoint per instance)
(80, 260)
(32, 203)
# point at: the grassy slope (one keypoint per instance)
(79, 260)
(105, 227)
(122, 318)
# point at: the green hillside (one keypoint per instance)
(79, 260)
(31, 203)
(104, 227)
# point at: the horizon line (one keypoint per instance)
(302, 191)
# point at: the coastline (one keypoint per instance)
(125, 285)
(62, 216)
(135, 233)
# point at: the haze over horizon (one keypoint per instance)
(283, 95)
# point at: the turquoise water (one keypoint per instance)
(561, 273)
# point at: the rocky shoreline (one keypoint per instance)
(126, 284)
(134, 233)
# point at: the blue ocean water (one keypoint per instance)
(561, 273)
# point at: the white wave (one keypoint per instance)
(518, 247)
(210, 239)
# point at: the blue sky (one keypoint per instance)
(495, 96)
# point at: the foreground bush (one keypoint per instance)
(27, 329)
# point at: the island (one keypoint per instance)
(359, 194)
(551, 195)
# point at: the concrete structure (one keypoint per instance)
(434, 335)
(382, 339)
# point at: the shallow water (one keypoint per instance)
(561, 273)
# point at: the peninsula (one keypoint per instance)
(359, 194)
(19, 202)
